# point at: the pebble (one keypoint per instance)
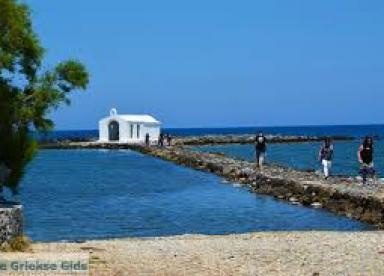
(316, 205)
(293, 199)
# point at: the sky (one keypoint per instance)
(219, 63)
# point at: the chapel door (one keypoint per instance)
(113, 131)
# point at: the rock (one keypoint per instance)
(316, 205)
(293, 199)
(11, 222)
(246, 172)
(227, 170)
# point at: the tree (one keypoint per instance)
(27, 94)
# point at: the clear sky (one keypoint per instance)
(217, 63)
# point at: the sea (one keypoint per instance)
(77, 195)
(357, 131)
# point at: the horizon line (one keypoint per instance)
(234, 127)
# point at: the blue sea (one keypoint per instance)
(79, 195)
(96, 194)
(357, 131)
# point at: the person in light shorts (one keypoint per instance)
(326, 157)
(261, 148)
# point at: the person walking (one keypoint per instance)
(161, 140)
(365, 158)
(169, 140)
(261, 148)
(326, 157)
(147, 141)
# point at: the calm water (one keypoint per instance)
(341, 130)
(93, 194)
(357, 131)
(305, 155)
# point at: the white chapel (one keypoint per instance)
(128, 128)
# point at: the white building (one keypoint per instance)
(127, 128)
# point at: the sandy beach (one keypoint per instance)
(273, 253)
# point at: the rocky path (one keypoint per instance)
(203, 140)
(249, 139)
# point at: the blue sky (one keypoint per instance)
(220, 63)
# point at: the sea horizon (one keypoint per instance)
(250, 126)
(354, 131)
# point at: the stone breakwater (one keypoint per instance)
(208, 140)
(341, 195)
(11, 225)
(248, 139)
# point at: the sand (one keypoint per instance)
(273, 253)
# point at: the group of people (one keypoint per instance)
(364, 157)
(326, 155)
(164, 139)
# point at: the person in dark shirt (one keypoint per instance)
(326, 156)
(169, 140)
(261, 148)
(365, 157)
(147, 141)
(161, 140)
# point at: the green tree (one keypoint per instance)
(27, 93)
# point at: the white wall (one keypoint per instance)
(125, 131)
(152, 130)
(103, 130)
